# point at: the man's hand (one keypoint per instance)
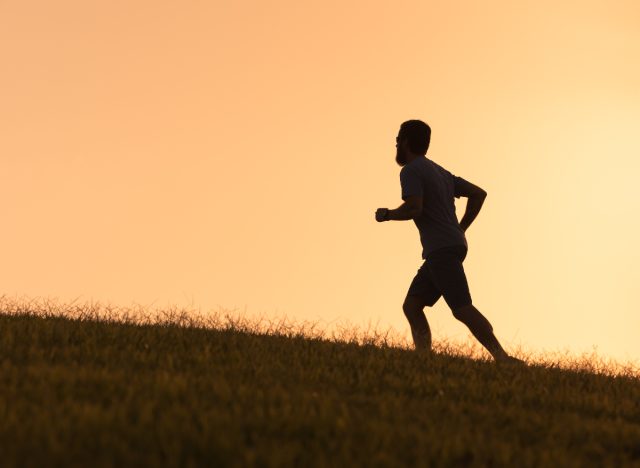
(411, 208)
(381, 214)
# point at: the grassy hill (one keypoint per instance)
(79, 389)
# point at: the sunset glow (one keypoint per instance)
(232, 154)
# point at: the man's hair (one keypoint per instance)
(418, 135)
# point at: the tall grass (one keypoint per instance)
(344, 332)
(95, 385)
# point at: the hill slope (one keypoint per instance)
(86, 392)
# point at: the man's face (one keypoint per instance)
(401, 152)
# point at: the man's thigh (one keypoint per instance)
(448, 276)
(422, 286)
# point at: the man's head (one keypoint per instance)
(412, 140)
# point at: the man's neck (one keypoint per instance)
(411, 157)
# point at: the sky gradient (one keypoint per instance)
(232, 154)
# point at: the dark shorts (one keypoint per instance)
(442, 274)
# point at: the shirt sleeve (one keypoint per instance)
(458, 182)
(410, 183)
(456, 186)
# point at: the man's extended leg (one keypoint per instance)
(413, 309)
(481, 329)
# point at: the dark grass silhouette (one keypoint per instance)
(95, 386)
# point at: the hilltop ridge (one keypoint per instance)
(95, 391)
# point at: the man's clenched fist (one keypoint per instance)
(381, 214)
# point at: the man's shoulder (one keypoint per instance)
(436, 165)
(409, 167)
(415, 164)
(441, 169)
(427, 167)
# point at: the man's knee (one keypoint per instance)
(412, 305)
(471, 316)
(464, 312)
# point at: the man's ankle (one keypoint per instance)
(500, 355)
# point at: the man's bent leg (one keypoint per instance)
(413, 309)
(481, 329)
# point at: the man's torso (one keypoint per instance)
(438, 224)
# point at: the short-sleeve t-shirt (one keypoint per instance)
(438, 224)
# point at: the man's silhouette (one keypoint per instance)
(428, 191)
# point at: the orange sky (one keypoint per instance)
(232, 154)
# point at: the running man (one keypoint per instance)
(428, 191)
